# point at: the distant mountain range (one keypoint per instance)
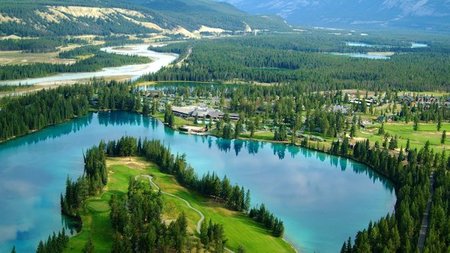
(104, 17)
(418, 14)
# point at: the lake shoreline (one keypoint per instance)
(286, 143)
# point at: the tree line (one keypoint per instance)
(410, 173)
(37, 45)
(56, 243)
(21, 115)
(34, 111)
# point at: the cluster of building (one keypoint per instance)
(424, 100)
(201, 112)
(369, 101)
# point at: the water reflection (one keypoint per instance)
(52, 132)
(34, 169)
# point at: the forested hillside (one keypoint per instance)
(49, 17)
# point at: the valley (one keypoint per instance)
(193, 126)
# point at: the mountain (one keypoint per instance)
(104, 17)
(418, 14)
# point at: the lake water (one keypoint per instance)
(322, 199)
(418, 45)
(372, 56)
(135, 71)
(358, 44)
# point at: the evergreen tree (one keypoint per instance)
(416, 123)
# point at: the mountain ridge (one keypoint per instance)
(70, 17)
(413, 14)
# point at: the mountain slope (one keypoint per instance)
(75, 17)
(421, 14)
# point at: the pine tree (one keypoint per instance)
(416, 123)
(247, 201)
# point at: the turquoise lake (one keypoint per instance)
(322, 199)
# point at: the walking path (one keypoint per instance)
(426, 217)
(202, 216)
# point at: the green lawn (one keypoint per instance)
(260, 135)
(178, 120)
(426, 132)
(239, 229)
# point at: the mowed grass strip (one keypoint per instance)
(239, 229)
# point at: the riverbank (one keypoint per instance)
(133, 71)
(240, 230)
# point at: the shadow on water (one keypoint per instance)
(280, 150)
(52, 132)
(71, 224)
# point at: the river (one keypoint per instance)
(132, 72)
(322, 199)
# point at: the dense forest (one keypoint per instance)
(36, 45)
(21, 115)
(410, 172)
(296, 59)
(32, 112)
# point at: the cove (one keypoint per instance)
(322, 199)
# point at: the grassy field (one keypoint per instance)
(426, 132)
(239, 229)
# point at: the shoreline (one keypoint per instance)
(287, 143)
